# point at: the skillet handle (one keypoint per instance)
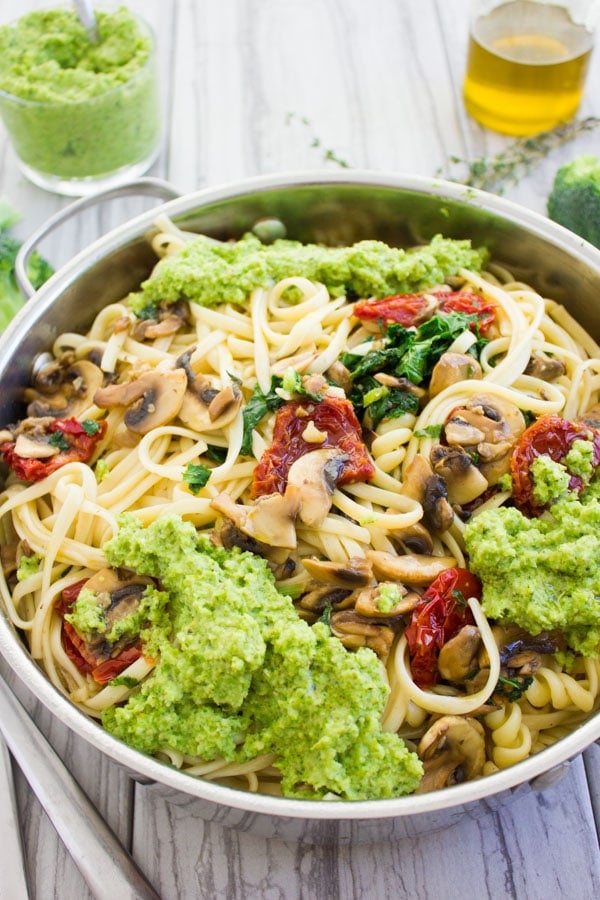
(152, 187)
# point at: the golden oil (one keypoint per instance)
(526, 67)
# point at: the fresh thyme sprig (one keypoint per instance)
(329, 155)
(493, 173)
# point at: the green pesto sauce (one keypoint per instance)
(90, 108)
(543, 573)
(209, 272)
(389, 597)
(28, 565)
(239, 674)
(87, 617)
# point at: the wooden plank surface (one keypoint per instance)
(257, 86)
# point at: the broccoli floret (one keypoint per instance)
(575, 198)
(38, 269)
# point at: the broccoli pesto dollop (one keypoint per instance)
(544, 573)
(210, 272)
(238, 674)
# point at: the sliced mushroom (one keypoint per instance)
(427, 488)
(356, 572)
(436, 508)
(208, 408)
(367, 602)
(411, 568)
(452, 750)
(354, 631)
(316, 599)
(452, 368)
(34, 447)
(71, 396)
(118, 594)
(228, 535)
(339, 374)
(153, 399)
(491, 427)
(458, 656)
(547, 368)
(415, 538)
(400, 384)
(591, 416)
(270, 521)
(32, 438)
(315, 475)
(464, 481)
(169, 320)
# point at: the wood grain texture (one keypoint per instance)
(258, 86)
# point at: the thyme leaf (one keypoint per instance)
(493, 173)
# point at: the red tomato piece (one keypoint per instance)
(408, 309)
(439, 615)
(333, 415)
(81, 449)
(471, 304)
(401, 309)
(77, 650)
(549, 436)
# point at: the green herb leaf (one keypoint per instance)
(492, 173)
(124, 681)
(196, 477)
(215, 454)
(57, 439)
(513, 688)
(90, 426)
(430, 431)
(256, 408)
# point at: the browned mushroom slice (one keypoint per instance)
(316, 599)
(452, 368)
(452, 750)
(400, 383)
(228, 535)
(354, 631)
(489, 425)
(355, 572)
(206, 407)
(315, 475)
(458, 656)
(168, 321)
(71, 396)
(34, 447)
(154, 399)
(415, 538)
(429, 489)
(340, 375)
(547, 368)
(117, 595)
(368, 601)
(270, 520)
(32, 438)
(411, 568)
(464, 481)
(591, 416)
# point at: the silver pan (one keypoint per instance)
(331, 208)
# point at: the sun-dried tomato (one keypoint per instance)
(333, 416)
(102, 671)
(81, 448)
(550, 436)
(400, 309)
(408, 309)
(441, 613)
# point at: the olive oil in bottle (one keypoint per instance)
(526, 67)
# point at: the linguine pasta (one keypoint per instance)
(64, 520)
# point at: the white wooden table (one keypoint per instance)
(258, 86)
